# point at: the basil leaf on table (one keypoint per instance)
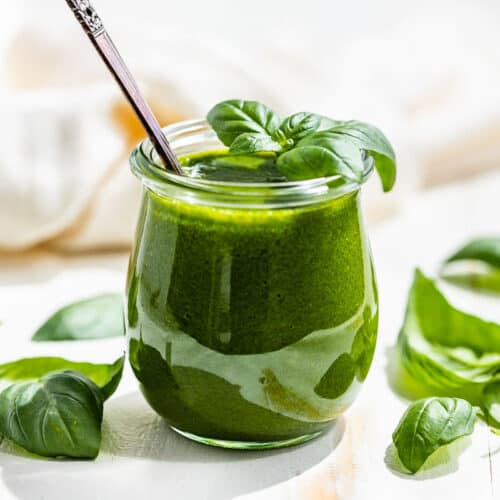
(490, 404)
(58, 415)
(106, 377)
(252, 142)
(429, 424)
(234, 117)
(486, 281)
(485, 250)
(94, 318)
(443, 347)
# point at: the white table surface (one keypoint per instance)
(142, 458)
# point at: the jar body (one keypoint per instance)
(251, 327)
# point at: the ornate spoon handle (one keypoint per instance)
(93, 26)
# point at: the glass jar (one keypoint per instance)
(252, 308)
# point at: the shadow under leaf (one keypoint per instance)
(442, 462)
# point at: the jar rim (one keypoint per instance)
(146, 166)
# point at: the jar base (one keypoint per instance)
(247, 445)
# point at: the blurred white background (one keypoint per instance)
(427, 73)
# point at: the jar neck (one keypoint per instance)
(187, 138)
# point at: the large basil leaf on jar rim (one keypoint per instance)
(58, 415)
(371, 140)
(443, 347)
(95, 318)
(106, 377)
(429, 424)
(234, 117)
(314, 160)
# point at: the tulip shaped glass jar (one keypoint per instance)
(251, 307)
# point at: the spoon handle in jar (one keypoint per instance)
(94, 28)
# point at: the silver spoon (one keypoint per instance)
(94, 28)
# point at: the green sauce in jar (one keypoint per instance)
(250, 326)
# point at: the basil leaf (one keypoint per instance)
(313, 160)
(298, 126)
(348, 155)
(490, 404)
(429, 424)
(251, 142)
(232, 118)
(249, 127)
(486, 277)
(106, 377)
(443, 347)
(59, 415)
(371, 140)
(94, 318)
(487, 281)
(485, 250)
(326, 123)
